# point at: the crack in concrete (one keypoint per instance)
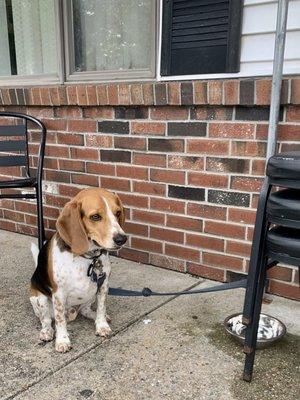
(95, 345)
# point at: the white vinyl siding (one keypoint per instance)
(258, 36)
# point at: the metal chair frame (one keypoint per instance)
(260, 262)
(23, 161)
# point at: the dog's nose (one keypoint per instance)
(120, 239)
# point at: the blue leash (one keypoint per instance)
(146, 292)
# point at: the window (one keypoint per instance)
(201, 36)
(77, 40)
(28, 38)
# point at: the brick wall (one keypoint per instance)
(186, 158)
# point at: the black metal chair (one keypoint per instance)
(276, 239)
(14, 143)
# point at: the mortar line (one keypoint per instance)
(95, 345)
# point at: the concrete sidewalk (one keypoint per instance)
(162, 348)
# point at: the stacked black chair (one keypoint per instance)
(276, 239)
(14, 143)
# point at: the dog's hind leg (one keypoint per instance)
(87, 312)
(42, 309)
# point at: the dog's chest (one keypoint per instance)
(70, 274)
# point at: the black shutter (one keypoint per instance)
(201, 36)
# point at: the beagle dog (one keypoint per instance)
(73, 267)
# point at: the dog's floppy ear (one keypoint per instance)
(71, 229)
(121, 219)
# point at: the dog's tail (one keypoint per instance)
(35, 252)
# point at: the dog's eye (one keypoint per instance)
(118, 214)
(95, 217)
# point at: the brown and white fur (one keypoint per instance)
(60, 288)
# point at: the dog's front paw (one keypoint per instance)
(46, 335)
(63, 346)
(103, 329)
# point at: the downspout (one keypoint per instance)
(282, 12)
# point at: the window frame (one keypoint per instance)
(65, 51)
(102, 76)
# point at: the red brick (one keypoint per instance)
(206, 146)
(189, 224)
(7, 225)
(258, 167)
(71, 94)
(231, 92)
(161, 175)
(182, 252)
(115, 184)
(68, 112)
(91, 95)
(55, 124)
(135, 201)
(71, 165)
(84, 153)
(215, 92)
(57, 176)
(185, 162)
(102, 94)
(85, 179)
(168, 235)
(221, 260)
(238, 248)
(174, 93)
(167, 262)
(136, 229)
(42, 112)
(132, 172)
(227, 230)
(100, 168)
(45, 96)
(206, 272)
(241, 216)
(13, 215)
(262, 131)
(252, 149)
(207, 180)
(146, 244)
(249, 235)
(69, 191)
(204, 211)
(149, 188)
(263, 91)
(231, 130)
(280, 273)
(62, 94)
(81, 125)
(36, 96)
(295, 91)
(147, 94)
(200, 92)
(99, 141)
(130, 143)
(112, 94)
(212, 113)
(169, 112)
(149, 217)
(124, 94)
(6, 96)
(136, 94)
(293, 114)
(284, 289)
(288, 132)
(204, 241)
(57, 151)
(82, 95)
(148, 128)
(246, 184)
(70, 138)
(167, 205)
(134, 255)
(99, 112)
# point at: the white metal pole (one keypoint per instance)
(282, 11)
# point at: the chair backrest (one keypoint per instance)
(14, 141)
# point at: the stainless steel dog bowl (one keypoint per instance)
(270, 329)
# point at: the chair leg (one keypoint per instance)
(39, 204)
(251, 330)
(260, 231)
